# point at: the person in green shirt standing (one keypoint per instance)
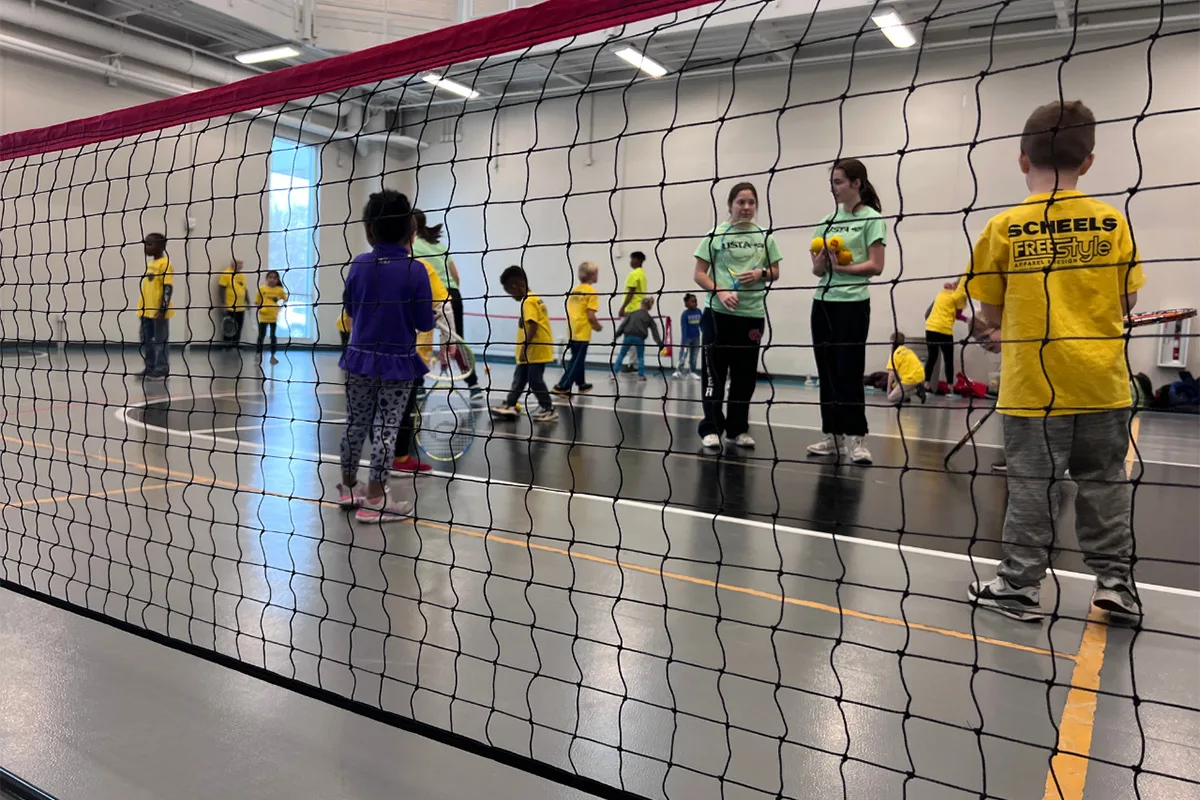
(735, 264)
(428, 247)
(841, 310)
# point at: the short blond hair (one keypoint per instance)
(588, 270)
(647, 303)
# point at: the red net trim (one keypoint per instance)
(500, 33)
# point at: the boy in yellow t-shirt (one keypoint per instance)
(582, 306)
(233, 284)
(1054, 278)
(154, 307)
(906, 376)
(535, 349)
(271, 295)
(635, 287)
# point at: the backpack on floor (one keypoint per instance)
(1182, 395)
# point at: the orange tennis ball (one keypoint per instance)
(834, 243)
(818, 244)
(845, 257)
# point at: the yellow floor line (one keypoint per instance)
(480, 534)
(1068, 767)
(66, 497)
(793, 601)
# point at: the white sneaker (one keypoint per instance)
(741, 440)
(711, 442)
(828, 446)
(677, 374)
(545, 415)
(385, 509)
(350, 497)
(694, 376)
(859, 453)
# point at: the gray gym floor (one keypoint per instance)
(596, 593)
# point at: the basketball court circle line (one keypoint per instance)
(122, 415)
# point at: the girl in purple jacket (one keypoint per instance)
(389, 300)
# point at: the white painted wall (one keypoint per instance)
(562, 194)
(71, 223)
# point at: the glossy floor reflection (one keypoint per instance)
(600, 594)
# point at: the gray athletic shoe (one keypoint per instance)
(1019, 604)
(1119, 600)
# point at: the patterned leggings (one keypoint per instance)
(375, 406)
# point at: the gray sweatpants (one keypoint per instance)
(1093, 447)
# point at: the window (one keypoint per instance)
(292, 242)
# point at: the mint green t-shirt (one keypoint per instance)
(435, 255)
(859, 230)
(731, 250)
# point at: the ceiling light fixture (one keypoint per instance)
(642, 61)
(450, 86)
(894, 29)
(267, 54)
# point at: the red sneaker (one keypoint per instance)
(942, 388)
(410, 464)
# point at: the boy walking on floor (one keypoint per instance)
(1054, 278)
(636, 327)
(582, 305)
(535, 349)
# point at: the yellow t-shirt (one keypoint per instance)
(234, 284)
(637, 282)
(159, 273)
(1073, 258)
(268, 301)
(541, 346)
(583, 298)
(440, 295)
(945, 309)
(343, 322)
(904, 362)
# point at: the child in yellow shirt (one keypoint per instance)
(582, 306)
(271, 295)
(906, 376)
(1053, 279)
(535, 349)
(939, 333)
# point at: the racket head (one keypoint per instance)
(445, 424)
(228, 326)
(1155, 317)
(455, 370)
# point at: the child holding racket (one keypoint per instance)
(1054, 278)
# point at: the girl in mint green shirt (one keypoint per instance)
(734, 263)
(428, 246)
(841, 309)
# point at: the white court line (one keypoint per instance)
(122, 414)
(796, 426)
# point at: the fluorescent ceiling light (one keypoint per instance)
(267, 54)
(450, 86)
(643, 62)
(894, 29)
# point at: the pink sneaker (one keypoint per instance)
(350, 497)
(385, 509)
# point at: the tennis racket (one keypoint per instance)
(454, 370)
(445, 419)
(968, 436)
(228, 326)
(1155, 317)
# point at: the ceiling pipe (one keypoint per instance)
(114, 71)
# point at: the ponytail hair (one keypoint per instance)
(855, 170)
(432, 235)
